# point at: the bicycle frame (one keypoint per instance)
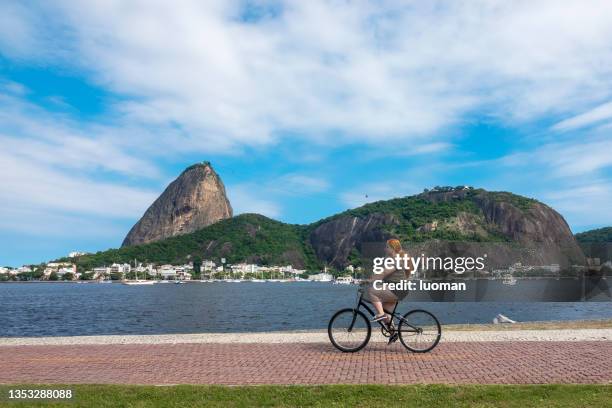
(361, 303)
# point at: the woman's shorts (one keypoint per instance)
(384, 295)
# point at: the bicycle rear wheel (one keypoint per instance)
(419, 331)
(349, 330)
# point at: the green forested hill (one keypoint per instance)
(254, 238)
(596, 235)
(246, 237)
(414, 212)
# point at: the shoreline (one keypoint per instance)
(554, 330)
(476, 334)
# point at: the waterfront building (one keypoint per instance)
(66, 269)
(243, 268)
(167, 272)
(100, 272)
(171, 272)
(60, 268)
(183, 275)
(120, 268)
(321, 277)
(149, 269)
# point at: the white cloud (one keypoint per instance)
(584, 204)
(12, 88)
(246, 198)
(29, 132)
(16, 30)
(589, 155)
(50, 173)
(195, 77)
(266, 197)
(299, 184)
(384, 190)
(362, 71)
(424, 149)
(37, 223)
(594, 116)
(572, 176)
(27, 184)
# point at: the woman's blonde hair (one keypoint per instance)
(396, 246)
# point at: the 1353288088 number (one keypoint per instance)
(20, 393)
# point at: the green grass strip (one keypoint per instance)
(522, 396)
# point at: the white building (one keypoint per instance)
(244, 268)
(321, 277)
(120, 268)
(66, 269)
(101, 272)
(291, 270)
(59, 268)
(208, 266)
(148, 269)
(24, 269)
(74, 254)
(167, 272)
(171, 272)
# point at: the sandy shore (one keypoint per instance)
(311, 337)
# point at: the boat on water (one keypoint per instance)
(343, 280)
(257, 280)
(509, 280)
(139, 282)
(178, 282)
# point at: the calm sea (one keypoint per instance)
(68, 309)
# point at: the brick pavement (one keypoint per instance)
(311, 363)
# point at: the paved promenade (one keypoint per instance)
(455, 362)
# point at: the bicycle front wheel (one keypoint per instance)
(349, 330)
(419, 331)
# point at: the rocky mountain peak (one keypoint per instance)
(192, 201)
(524, 229)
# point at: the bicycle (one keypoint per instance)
(350, 330)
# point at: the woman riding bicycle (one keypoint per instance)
(350, 329)
(383, 299)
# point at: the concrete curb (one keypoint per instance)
(305, 337)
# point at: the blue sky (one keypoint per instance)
(304, 108)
